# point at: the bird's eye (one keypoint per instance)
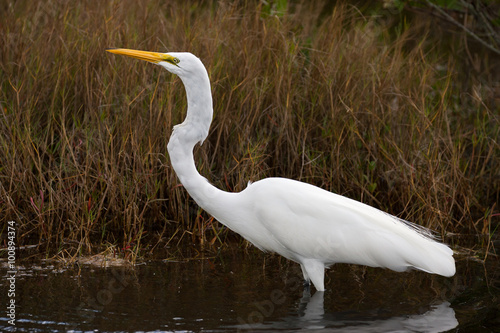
(176, 60)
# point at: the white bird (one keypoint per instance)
(301, 222)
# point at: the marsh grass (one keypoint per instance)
(329, 96)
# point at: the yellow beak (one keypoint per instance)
(145, 55)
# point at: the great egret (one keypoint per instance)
(301, 222)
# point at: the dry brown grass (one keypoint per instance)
(324, 95)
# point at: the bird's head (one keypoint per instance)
(194, 75)
(179, 63)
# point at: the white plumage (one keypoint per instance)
(301, 222)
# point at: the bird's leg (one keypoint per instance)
(307, 286)
(307, 280)
(314, 271)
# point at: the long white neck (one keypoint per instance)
(186, 135)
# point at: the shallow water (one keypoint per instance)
(237, 290)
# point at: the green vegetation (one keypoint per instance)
(386, 109)
(479, 19)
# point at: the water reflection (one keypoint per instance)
(311, 316)
(236, 291)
